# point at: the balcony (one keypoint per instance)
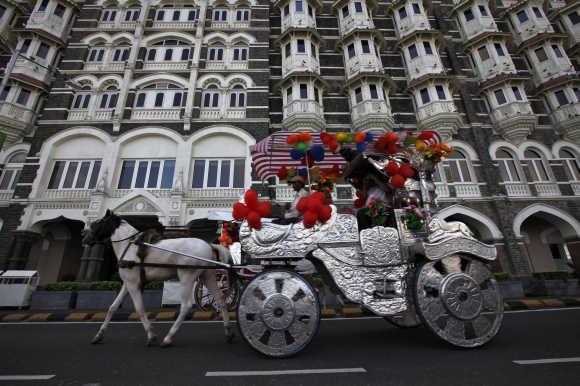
(49, 22)
(546, 189)
(156, 114)
(298, 20)
(567, 121)
(6, 195)
(466, 189)
(475, 27)
(166, 66)
(226, 65)
(228, 114)
(106, 67)
(372, 114)
(424, 65)
(67, 194)
(441, 116)
(103, 115)
(11, 114)
(118, 25)
(78, 115)
(363, 63)
(232, 194)
(551, 69)
(83, 115)
(411, 24)
(517, 189)
(355, 22)
(35, 70)
(224, 24)
(285, 193)
(303, 113)
(300, 63)
(529, 29)
(575, 188)
(491, 68)
(442, 190)
(514, 120)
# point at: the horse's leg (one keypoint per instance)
(135, 293)
(211, 284)
(186, 279)
(112, 309)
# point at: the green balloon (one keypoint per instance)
(301, 146)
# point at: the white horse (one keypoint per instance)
(122, 235)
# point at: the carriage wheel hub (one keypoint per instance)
(461, 296)
(278, 312)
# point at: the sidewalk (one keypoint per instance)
(170, 314)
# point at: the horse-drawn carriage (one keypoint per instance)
(436, 275)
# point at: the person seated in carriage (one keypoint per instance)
(292, 214)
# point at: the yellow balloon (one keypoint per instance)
(420, 146)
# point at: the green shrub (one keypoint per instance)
(105, 285)
(68, 277)
(154, 285)
(62, 286)
(552, 275)
(502, 276)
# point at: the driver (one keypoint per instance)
(298, 184)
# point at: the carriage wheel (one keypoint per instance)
(278, 313)
(406, 319)
(459, 300)
(205, 301)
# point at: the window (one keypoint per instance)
(43, 5)
(4, 93)
(288, 94)
(483, 53)
(402, 13)
(211, 97)
(351, 51)
(82, 101)
(313, 50)
(537, 12)
(468, 13)
(577, 93)
(366, 49)
(216, 53)
(374, 91)
(572, 164)
(151, 54)
(25, 46)
(185, 54)
(109, 99)
(74, 174)
(150, 174)
(220, 14)
(109, 15)
(168, 54)
(508, 167)
(160, 15)
(121, 54)
(310, 11)
(500, 97)
(416, 9)
(413, 51)
(428, 49)
(299, 6)
(499, 49)
(522, 16)
(132, 15)
(483, 10)
(159, 99)
(287, 50)
(59, 10)
(140, 100)
(440, 93)
(2, 11)
(459, 167)
(344, 11)
(243, 15)
(561, 98)
(536, 165)
(177, 99)
(541, 54)
(23, 97)
(300, 46)
(425, 96)
(317, 95)
(96, 55)
(517, 93)
(191, 15)
(574, 17)
(358, 7)
(223, 173)
(42, 51)
(176, 15)
(238, 97)
(303, 91)
(11, 173)
(286, 10)
(557, 51)
(358, 95)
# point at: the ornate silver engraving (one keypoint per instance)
(440, 230)
(236, 252)
(459, 244)
(380, 246)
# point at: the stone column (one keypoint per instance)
(94, 262)
(84, 263)
(574, 250)
(23, 241)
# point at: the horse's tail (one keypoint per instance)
(223, 253)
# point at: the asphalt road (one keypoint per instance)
(381, 355)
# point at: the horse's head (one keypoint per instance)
(102, 229)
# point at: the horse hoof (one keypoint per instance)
(97, 339)
(151, 341)
(165, 344)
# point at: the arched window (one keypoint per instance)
(240, 52)
(211, 96)
(238, 97)
(572, 164)
(215, 53)
(161, 96)
(537, 166)
(11, 172)
(508, 166)
(460, 168)
(109, 98)
(169, 50)
(120, 53)
(82, 99)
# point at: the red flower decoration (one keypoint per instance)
(252, 210)
(407, 171)
(314, 209)
(398, 181)
(392, 168)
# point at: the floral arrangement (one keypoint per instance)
(252, 210)
(377, 211)
(334, 141)
(314, 209)
(415, 217)
(229, 234)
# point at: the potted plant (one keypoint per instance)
(98, 295)
(55, 296)
(152, 294)
(510, 288)
(553, 283)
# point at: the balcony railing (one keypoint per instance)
(442, 190)
(220, 24)
(467, 189)
(166, 66)
(285, 193)
(477, 26)
(531, 28)
(511, 110)
(423, 65)
(16, 112)
(159, 193)
(36, 70)
(118, 24)
(6, 195)
(550, 69)
(371, 107)
(517, 189)
(302, 106)
(103, 115)
(363, 63)
(175, 25)
(490, 68)
(566, 114)
(49, 22)
(226, 65)
(355, 21)
(111, 66)
(157, 114)
(78, 115)
(300, 63)
(433, 108)
(215, 114)
(544, 189)
(412, 23)
(298, 21)
(215, 193)
(69, 194)
(575, 188)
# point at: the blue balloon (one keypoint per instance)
(361, 147)
(369, 137)
(296, 154)
(317, 153)
(302, 172)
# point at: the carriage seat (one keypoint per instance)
(271, 233)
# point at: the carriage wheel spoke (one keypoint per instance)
(481, 325)
(434, 308)
(304, 308)
(478, 272)
(277, 339)
(490, 300)
(455, 328)
(267, 286)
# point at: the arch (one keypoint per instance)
(558, 145)
(242, 37)
(466, 148)
(215, 37)
(122, 37)
(87, 80)
(205, 80)
(237, 37)
(543, 149)
(72, 132)
(160, 78)
(568, 226)
(10, 151)
(148, 131)
(496, 145)
(97, 38)
(219, 129)
(135, 194)
(108, 81)
(152, 39)
(489, 229)
(239, 78)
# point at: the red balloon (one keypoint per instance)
(398, 181)
(325, 138)
(318, 196)
(265, 208)
(392, 168)
(302, 205)
(251, 199)
(333, 145)
(392, 148)
(240, 211)
(359, 137)
(325, 213)
(282, 173)
(305, 136)
(310, 219)
(358, 203)
(314, 205)
(254, 220)
(407, 171)
(292, 139)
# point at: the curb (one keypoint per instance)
(327, 313)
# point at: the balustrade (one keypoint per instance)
(467, 189)
(433, 108)
(517, 189)
(423, 65)
(412, 23)
(510, 110)
(476, 26)
(356, 21)
(302, 20)
(363, 63)
(300, 63)
(49, 22)
(171, 114)
(16, 112)
(544, 189)
(166, 66)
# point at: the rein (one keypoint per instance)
(126, 238)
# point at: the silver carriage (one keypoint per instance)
(439, 278)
